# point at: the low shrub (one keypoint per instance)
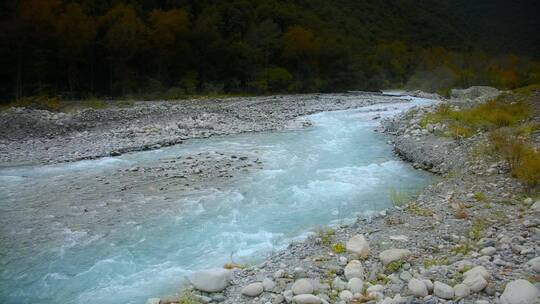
(528, 169)
(338, 248)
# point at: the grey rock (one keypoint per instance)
(443, 291)
(355, 285)
(475, 282)
(337, 283)
(306, 299)
(268, 284)
(392, 255)
(354, 269)
(211, 280)
(488, 251)
(346, 296)
(535, 264)
(520, 292)
(253, 289)
(302, 286)
(358, 245)
(278, 299)
(461, 291)
(417, 288)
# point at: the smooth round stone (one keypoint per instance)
(253, 289)
(302, 286)
(355, 285)
(520, 292)
(392, 255)
(418, 288)
(442, 290)
(346, 296)
(475, 282)
(358, 245)
(268, 284)
(354, 270)
(306, 299)
(461, 291)
(211, 280)
(337, 283)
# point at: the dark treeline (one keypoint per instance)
(76, 49)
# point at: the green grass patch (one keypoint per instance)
(326, 236)
(477, 229)
(393, 266)
(487, 116)
(398, 198)
(479, 196)
(418, 210)
(428, 263)
(338, 248)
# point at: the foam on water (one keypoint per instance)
(134, 245)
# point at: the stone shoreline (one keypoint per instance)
(29, 136)
(471, 237)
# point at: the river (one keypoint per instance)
(82, 233)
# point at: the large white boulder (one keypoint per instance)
(358, 245)
(392, 255)
(211, 280)
(354, 270)
(520, 292)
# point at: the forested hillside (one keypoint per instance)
(169, 49)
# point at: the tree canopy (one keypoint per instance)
(143, 47)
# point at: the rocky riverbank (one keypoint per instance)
(471, 237)
(29, 136)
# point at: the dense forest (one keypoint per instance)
(173, 48)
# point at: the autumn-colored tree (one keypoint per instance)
(300, 44)
(169, 38)
(125, 37)
(301, 50)
(75, 32)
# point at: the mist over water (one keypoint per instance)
(130, 245)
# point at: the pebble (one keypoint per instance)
(339, 284)
(253, 289)
(268, 284)
(355, 285)
(535, 264)
(392, 255)
(306, 299)
(302, 286)
(442, 290)
(488, 251)
(417, 288)
(346, 296)
(475, 282)
(358, 245)
(354, 269)
(461, 291)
